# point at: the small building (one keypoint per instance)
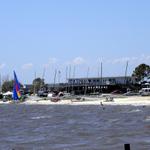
(92, 85)
(103, 85)
(102, 81)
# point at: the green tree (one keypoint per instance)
(141, 71)
(37, 84)
(7, 86)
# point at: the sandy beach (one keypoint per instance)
(133, 100)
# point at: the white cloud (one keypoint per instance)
(2, 66)
(132, 60)
(50, 62)
(120, 60)
(27, 66)
(78, 61)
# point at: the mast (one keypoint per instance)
(34, 83)
(126, 70)
(101, 76)
(74, 69)
(85, 84)
(98, 73)
(66, 78)
(55, 75)
(0, 83)
(43, 75)
(69, 78)
(59, 76)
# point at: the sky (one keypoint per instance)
(41, 36)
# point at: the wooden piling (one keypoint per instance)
(126, 146)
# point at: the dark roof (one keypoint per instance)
(100, 77)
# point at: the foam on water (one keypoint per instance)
(40, 117)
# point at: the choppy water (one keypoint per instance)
(59, 127)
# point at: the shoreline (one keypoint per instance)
(129, 100)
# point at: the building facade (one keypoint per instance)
(100, 85)
(102, 81)
(92, 85)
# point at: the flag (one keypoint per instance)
(16, 88)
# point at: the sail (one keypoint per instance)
(16, 88)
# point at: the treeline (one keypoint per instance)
(37, 84)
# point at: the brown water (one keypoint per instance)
(62, 127)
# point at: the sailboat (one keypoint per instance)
(16, 89)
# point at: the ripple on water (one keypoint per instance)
(74, 127)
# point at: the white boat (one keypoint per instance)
(145, 92)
